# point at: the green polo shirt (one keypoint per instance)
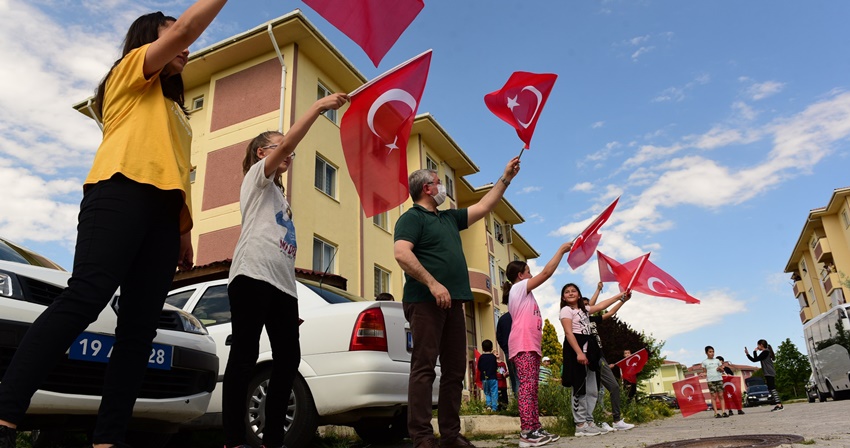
(437, 246)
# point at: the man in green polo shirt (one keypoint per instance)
(429, 250)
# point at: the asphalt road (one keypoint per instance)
(820, 424)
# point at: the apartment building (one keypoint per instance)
(820, 260)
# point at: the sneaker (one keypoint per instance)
(726, 414)
(740, 412)
(533, 438)
(8, 436)
(587, 429)
(601, 429)
(718, 416)
(778, 407)
(730, 413)
(554, 437)
(606, 427)
(623, 426)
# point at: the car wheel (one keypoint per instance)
(811, 398)
(821, 397)
(301, 416)
(383, 431)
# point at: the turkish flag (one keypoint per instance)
(475, 370)
(690, 397)
(610, 270)
(374, 133)
(731, 395)
(585, 244)
(520, 102)
(631, 366)
(374, 25)
(654, 281)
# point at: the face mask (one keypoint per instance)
(440, 197)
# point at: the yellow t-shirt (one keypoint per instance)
(146, 136)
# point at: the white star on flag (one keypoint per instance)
(512, 103)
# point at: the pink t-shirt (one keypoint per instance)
(527, 327)
(579, 319)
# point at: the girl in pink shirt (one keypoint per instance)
(525, 341)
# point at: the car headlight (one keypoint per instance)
(9, 285)
(191, 324)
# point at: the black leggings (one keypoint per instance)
(254, 304)
(128, 236)
(771, 386)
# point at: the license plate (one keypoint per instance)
(409, 340)
(98, 348)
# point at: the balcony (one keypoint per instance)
(805, 315)
(482, 287)
(823, 253)
(830, 282)
(799, 288)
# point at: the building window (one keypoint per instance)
(516, 257)
(845, 215)
(382, 280)
(803, 266)
(430, 163)
(471, 342)
(814, 241)
(323, 256)
(382, 220)
(192, 174)
(502, 277)
(497, 228)
(450, 186)
(198, 102)
(325, 177)
(322, 92)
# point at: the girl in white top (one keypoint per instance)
(261, 286)
(581, 355)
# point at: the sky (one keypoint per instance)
(718, 124)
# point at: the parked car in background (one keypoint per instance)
(355, 363)
(666, 399)
(178, 383)
(758, 394)
(812, 391)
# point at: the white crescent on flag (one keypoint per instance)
(651, 284)
(539, 96)
(734, 389)
(687, 386)
(636, 357)
(390, 95)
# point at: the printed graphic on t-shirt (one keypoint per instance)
(288, 245)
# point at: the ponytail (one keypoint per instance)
(506, 292)
(764, 343)
(512, 272)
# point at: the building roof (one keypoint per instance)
(813, 221)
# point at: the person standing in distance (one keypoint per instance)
(428, 248)
(134, 224)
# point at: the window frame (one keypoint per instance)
(330, 114)
(384, 218)
(325, 166)
(380, 287)
(323, 265)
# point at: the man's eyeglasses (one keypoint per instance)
(291, 156)
(438, 182)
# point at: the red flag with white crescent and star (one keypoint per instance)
(732, 396)
(625, 274)
(374, 133)
(690, 397)
(654, 281)
(374, 25)
(631, 366)
(587, 241)
(521, 100)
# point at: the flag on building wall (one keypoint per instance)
(587, 241)
(374, 133)
(521, 100)
(374, 25)
(690, 397)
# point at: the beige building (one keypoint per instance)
(820, 261)
(266, 78)
(662, 381)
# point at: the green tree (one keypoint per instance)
(617, 336)
(551, 346)
(792, 370)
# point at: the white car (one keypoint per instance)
(181, 373)
(355, 363)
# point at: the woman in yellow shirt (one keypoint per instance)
(134, 223)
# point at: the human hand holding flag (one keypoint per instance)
(587, 241)
(690, 397)
(374, 133)
(520, 101)
(374, 25)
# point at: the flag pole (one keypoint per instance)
(521, 150)
(637, 272)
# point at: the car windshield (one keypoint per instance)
(758, 388)
(17, 254)
(330, 297)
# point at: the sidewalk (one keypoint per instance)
(825, 424)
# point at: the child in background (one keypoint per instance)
(727, 370)
(487, 373)
(766, 358)
(502, 379)
(525, 342)
(714, 375)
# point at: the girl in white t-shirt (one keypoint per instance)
(524, 342)
(261, 286)
(581, 355)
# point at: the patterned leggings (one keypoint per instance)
(528, 368)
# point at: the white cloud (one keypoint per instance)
(664, 318)
(583, 187)
(530, 189)
(597, 124)
(640, 52)
(743, 110)
(36, 209)
(765, 89)
(678, 93)
(602, 154)
(639, 40)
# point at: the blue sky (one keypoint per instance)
(721, 124)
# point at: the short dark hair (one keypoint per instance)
(385, 296)
(720, 358)
(707, 348)
(487, 345)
